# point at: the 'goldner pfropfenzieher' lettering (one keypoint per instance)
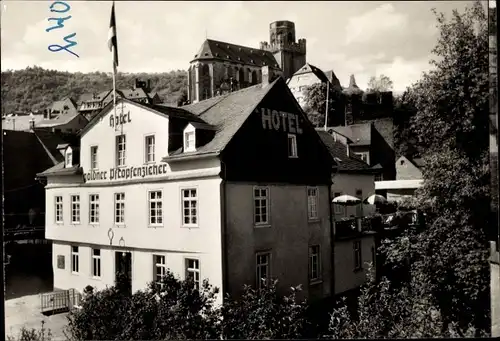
(280, 120)
(126, 173)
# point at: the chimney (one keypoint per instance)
(149, 85)
(266, 76)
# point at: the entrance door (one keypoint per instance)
(123, 270)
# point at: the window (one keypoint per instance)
(359, 207)
(75, 209)
(160, 268)
(75, 259)
(155, 208)
(374, 257)
(193, 271)
(262, 268)
(119, 208)
(362, 156)
(312, 203)
(314, 263)
(150, 148)
(189, 207)
(94, 209)
(59, 209)
(261, 205)
(96, 263)
(357, 254)
(379, 177)
(93, 157)
(337, 209)
(120, 150)
(189, 141)
(292, 145)
(69, 158)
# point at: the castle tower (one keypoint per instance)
(289, 54)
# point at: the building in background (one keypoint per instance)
(21, 121)
(184, 199)
(365, 141)
(309, 75)
(408, 179)
(219, 67)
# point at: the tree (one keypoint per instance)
(264, 314)
(446, 264)
(315, 108)
(380, 84)
(176, 309)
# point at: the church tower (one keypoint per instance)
(289, 54)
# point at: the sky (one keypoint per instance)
(361, 38)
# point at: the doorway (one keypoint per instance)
(123, 270)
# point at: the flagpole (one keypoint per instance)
(114, 88)
(327, 95)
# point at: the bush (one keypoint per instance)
(32, 334)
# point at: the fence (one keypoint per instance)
(59, 301)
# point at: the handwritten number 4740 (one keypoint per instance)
(63, 8)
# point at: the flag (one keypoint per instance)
(112, 41)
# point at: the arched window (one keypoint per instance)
(290, 37)
(205, 91)
(273, 38)
(254, 78)
(241, 75)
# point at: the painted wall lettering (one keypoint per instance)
(61, 7)
(122, 118)
(126, 173)
(280, 121)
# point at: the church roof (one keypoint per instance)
(213, 49)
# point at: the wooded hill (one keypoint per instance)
(35, 88)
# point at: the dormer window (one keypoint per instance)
(189, 139)
(68, 156)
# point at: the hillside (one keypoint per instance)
(35, 88)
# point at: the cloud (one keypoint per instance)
(375, 24)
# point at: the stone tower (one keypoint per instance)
(289, 54)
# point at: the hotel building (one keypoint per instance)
(230, 189)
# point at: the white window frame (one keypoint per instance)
(312, 203)
(121, 154)
(155, 204)
(190, 141)
(259, 265)
(315, 263)
(119, 207)
(58, 209)
(160, 262)
(292, 153)
(93, 157)
(96, 263)
(68, 158)
(364, 156)
(75, 209)
(338, 209)
(195, 270)
(149, 148)
(189, 200)
(257, 206)
(94, 209)
(75, 259)
(357, 255)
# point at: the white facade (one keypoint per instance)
(165, 234)
(299, 83)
